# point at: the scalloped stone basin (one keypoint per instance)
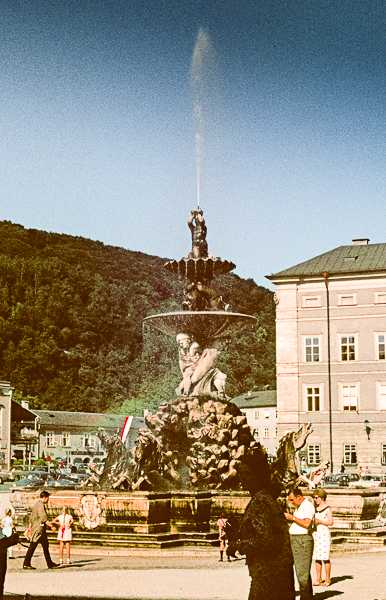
(199, 269)
(209, 325)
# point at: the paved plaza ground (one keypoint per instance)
(176, 575)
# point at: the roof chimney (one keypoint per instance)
(361, 242)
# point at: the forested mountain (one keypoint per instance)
(71, 312)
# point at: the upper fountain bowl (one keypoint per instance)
(199, 269)
(201, 325)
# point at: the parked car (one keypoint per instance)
(368, 481)
(336, 480)
(20, 472)
(6, 476)
(32, 483)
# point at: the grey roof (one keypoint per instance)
(345, 259)
(256, 399)
(62, 418)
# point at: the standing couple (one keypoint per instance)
(310, 536)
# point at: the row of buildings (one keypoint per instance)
(29, 434)
(331, 371)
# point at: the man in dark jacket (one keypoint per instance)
(5, 542)
(38, 524)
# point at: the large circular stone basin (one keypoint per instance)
(208, 325)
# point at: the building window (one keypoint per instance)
(266, 414)
(350, 454)
(275, 432)
(381, 396)
(50, 438)
(313, 454)
(256, 414)
(89, 441)
(266, 432)
(347, 299)
(347, 343)
(383, 456)
(381, 346)
(312, 349)
(313, 399)
(65, 440)
(350, 397)
(312, 301)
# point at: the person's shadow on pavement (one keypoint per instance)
(81, 563)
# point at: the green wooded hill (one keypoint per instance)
(71, 335)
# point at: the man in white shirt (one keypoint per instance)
(302, 542)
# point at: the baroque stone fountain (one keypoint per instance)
(198, 439)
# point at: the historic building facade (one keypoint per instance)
(331, 354)
(260, 411)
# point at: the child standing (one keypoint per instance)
(8, 528)
(65, 521)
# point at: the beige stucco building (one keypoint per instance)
(331, 354)
(259, 408)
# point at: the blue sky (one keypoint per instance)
(97, 127)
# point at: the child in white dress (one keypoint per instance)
(65, 522)
(8, 528)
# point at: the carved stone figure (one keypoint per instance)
(199, 296)
(315, 475)
(91, 510)
(198, 229)
(286, 467)
(199, 373)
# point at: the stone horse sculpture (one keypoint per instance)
(286, 468)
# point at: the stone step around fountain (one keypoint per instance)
(137, 540)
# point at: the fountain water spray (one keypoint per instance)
(202, 66)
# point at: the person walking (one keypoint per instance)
(322, 537)
(8, 528)
(65, 521)
(222, 536)
(302, 542)
(37, 528)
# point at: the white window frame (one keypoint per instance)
(50, 439)
(313, 387)
(266, 433)
(256, 414)
(348, 449)
(314, 454)
(1, 423)
(314, 301)
(380, 298)
(266, 414)
(66, 439)
(275, 432)
(342, 395)
(89, 441)
(342, 299)
(381, 395)
(312, 346)
(383, 454)
(348, 336)
(313, 384)
(377, 334)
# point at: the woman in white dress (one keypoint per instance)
(322, 537)
(65, 521)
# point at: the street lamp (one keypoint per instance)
(368, 429)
